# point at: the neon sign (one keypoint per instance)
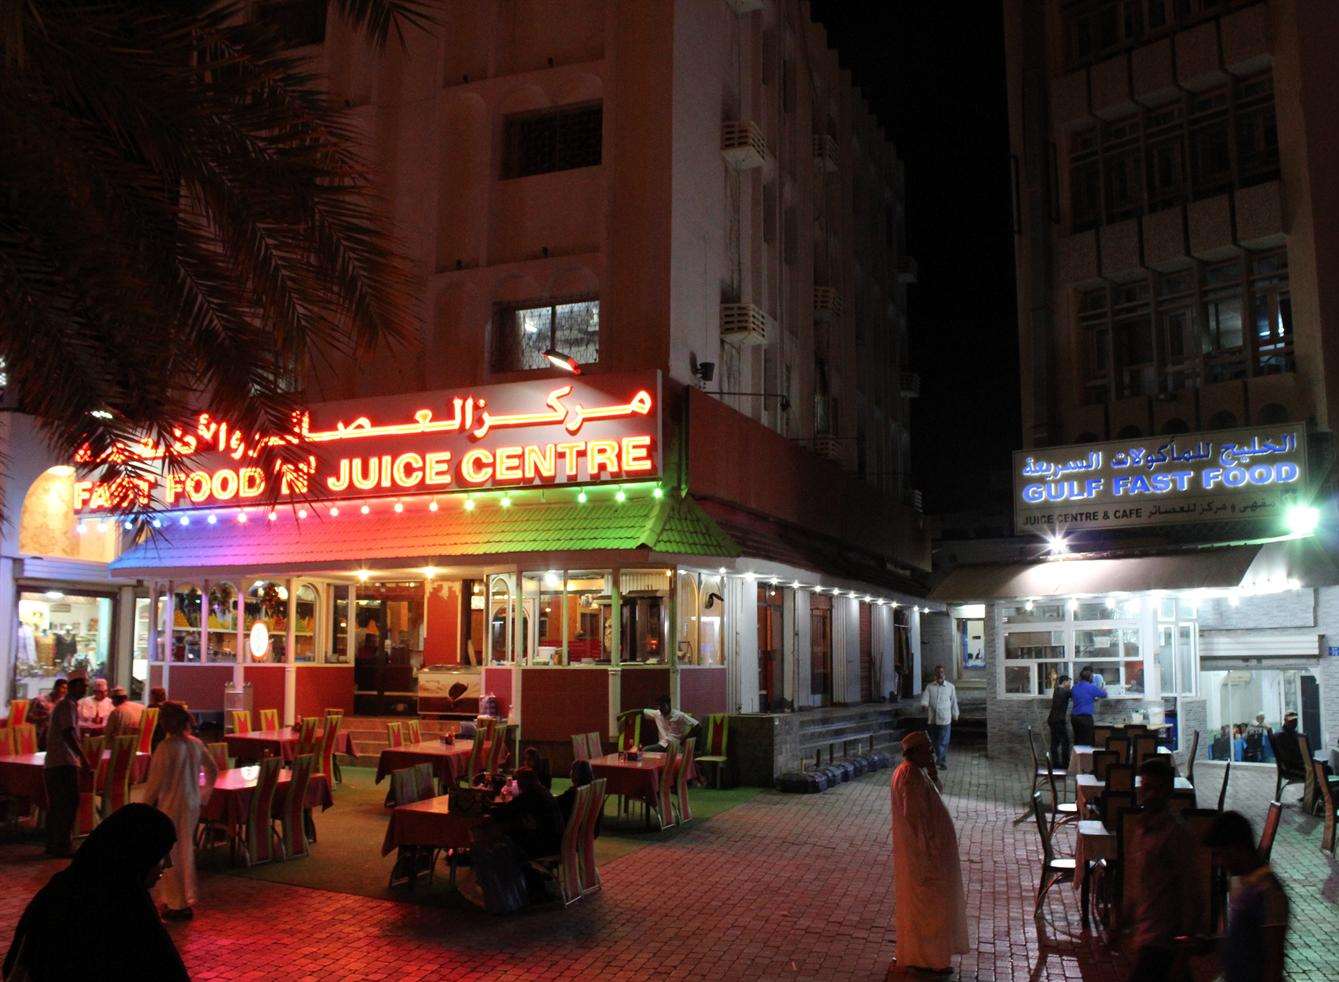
(1226, 475)
(518, 435)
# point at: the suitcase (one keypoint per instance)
(861, 766)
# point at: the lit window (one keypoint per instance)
(525, 333)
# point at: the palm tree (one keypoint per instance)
(185, 216)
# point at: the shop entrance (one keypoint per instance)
(820, 649)
(60, 632)
(866, 655)
(771, 648)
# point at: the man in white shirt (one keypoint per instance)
(125, 716)
(96, 708)
(671, 724)
(940, 700)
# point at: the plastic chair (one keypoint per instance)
(1053, 869)
(394, 735)
(24, 737)
(241, 721)
(718, 737)
(1270, 830)
(580, 747)
(269, 719)
(116, 784)
(1222, 792)
(682, 769)
(413, 731)
(326, 759)
(590, 873)
(292, 812)
(261, 838)
(307, 743)
(18, 712)
(219, 751)
(665, 789)
(629, 730)
(148, 723)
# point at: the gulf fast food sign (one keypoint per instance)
(524, 434)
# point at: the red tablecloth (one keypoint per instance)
(429, 822)
(274, 743)
(21, 775)
(447, 761)
(630, 778)
(230, 801)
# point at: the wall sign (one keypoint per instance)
(1224, 475)
(522, 434)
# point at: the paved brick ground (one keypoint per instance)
(778, 888)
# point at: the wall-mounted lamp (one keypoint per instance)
(566, 362)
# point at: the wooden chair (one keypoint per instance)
(590, 874)
(1213, 882)
(629, 730)
(1328, 805)
(292, 830)
(1053, 869)
(87, 815)
(116, 784)
(1145, 747)
(413, 731)
(1112, 802)
(569, 860)
(1062, 812)
(665, 790)
(394, 734)
(241, 721)
(18, 713)
(716, 746)
(1120, 777)
(1290, 769)
(6, 741)
(1310, 789)
(307, 741)
(1190, 759)
(1222, 792)
(580, 747)
(1182, 800)
(325, 762)
(219, 751)
(1100, 734)
(1270, 829)
(1121, 744)
(1103, 761)
(269, 719)
(148, 723)
(261, 838)
(1040, 774)
(683, 769)
(24, 738)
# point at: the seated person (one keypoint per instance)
(531, 819)
(39, 710)
(671, 724)
(540, 765)
(581, 775)
(125, 716)
(96, 707)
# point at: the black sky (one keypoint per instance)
(934, 76)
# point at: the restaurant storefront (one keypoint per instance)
(1188, 572)
(529, 546)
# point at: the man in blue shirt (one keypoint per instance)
(1081, 715)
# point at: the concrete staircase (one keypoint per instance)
(369, 734)
(828, 734)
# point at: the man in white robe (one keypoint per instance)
(929, 909)
(174, 788)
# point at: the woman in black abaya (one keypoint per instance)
(97, 911)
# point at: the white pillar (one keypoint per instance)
(9, 625)
(169, 616)
(243, 649)
(125, 635)
(914, 643)
(290, 666)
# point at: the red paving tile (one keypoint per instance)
(781, 887)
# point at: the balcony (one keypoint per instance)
(909, 384)
(905, 269)
(743, 145)
(826, 160)
(827, 304)
(744, 324)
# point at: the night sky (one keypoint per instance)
(934, 76)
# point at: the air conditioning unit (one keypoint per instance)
(743, 145)
(745, 6)
(744, 323)
(827, 303)
(825, 154)
(910, 385)
(827, 445)
(906, 269)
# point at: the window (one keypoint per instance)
(222, 622)
(1098, 29)
(1169, 154)
(297, 22)
(1223, 420)
(525, 333)
(267, 603)
(186, 601)
(553, 140)
(1271, 315)
(1044, 640)
(304, 623)
(1273, 413)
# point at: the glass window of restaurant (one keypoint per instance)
(645, 594)
(267, 603)
(222, 622)
(305, 605)
(700, 609)
(59, 632)
(389, 617)
(187, 601)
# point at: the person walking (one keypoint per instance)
(930, 912)
(1257, 909)
(65, 762)
(173, 788)
(940, 701)
(1085, 693)
(1060, 746)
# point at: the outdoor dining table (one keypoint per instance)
(637, 779)
(230, 801)
(431, 823)
(1093, 842)
(1081, 757)
(281, 743)
(447, 760)
(1089, 788)
(22, 775)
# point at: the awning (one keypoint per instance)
(672, 525)
(1276, 565)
